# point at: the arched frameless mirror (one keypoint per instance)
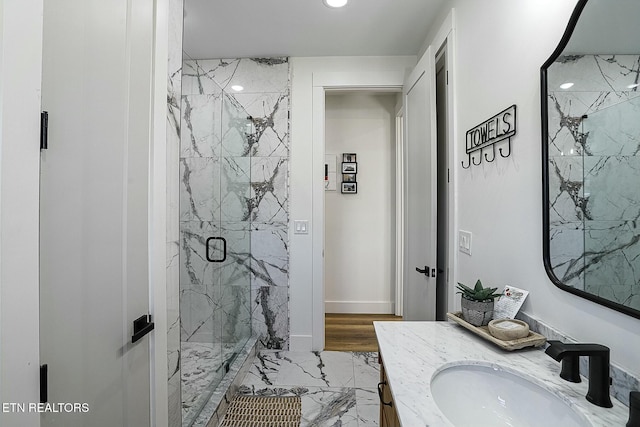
(591, 155)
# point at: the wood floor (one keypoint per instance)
(352, 332)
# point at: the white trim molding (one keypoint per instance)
(360, 307)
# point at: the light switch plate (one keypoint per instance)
(301, 227)
(464, 241)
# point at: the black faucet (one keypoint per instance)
(634, 409)
(599, 381)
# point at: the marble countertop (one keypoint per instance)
(413, 352)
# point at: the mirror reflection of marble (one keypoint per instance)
(591, 155)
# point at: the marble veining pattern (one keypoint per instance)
(255, 75)
(203, 367)
(336, 388)
(239, 142)
(201, 118)
(413, 351)
(233, 183)
(593, 131)
(220, 395)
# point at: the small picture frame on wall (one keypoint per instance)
(348, 177)
(349, 187)
(349, 157)
(349, 167)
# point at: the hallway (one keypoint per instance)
(352, 332)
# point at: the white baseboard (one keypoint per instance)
(300, 343)
(359, 307)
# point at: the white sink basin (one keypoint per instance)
(488, 395)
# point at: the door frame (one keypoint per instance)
(376, 81)
(391, 81)
(400, 201)
(159, 252)
(445, 40)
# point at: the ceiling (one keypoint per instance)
(268, 28)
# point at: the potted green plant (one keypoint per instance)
(477, 303)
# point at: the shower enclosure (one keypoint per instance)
(215, 235)
(594, 199)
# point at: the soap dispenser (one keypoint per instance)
(634, 409)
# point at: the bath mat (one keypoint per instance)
(260, 411)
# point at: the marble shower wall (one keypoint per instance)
(594, 165)
(239, 141)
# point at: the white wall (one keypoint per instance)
(301, 178)
(500, 47)
(20, 76)
(359, 228)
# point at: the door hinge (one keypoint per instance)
(447, 76)
(43, 383)
(44, 130)
(448, 175)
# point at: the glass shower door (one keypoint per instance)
(202, 250)
(236, 206)
(215, 229)
(610, 169)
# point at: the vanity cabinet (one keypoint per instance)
(388, 415)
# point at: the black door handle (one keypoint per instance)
(141, 327)
(224, 249)
(44, 387)
(426, 270)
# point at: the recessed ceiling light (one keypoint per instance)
(633, 86)
(237, 88)
(334, 3)
(566, 85)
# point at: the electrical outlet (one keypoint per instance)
(464, 241)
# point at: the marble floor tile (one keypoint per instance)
(336, 388)
(329, 407)
(368, 405)
(319, 369)
(264, 371)
(366, 369)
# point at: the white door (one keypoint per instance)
(419, 297)
(94, 208)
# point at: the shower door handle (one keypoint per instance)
(224, 249)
